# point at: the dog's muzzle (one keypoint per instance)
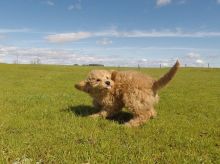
(107, 83)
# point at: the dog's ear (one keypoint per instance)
(113, 74)
(81, 85)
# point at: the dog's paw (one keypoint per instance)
(95, 115)
(127, 125)
(153, 114)
(131, 124)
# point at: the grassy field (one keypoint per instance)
(43, 119)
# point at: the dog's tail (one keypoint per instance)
(160, 83)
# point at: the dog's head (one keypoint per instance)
(98, 81)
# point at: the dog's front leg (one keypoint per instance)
(105, 112)
(96, 105)
(102, 114)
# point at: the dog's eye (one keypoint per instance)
(98, 80)
(107, 77)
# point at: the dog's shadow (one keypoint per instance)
(85, 110)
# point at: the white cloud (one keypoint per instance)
(68, 37)
(14, 30)
(193, 55)
(9, 54)
(71, 7)
(23, 30)
(165, 64)
(199, 61)
(218, 1)
(181, 2)
(213, 56)
(75, 6)
(164, 33)
(155, 63)
(49, 2)
(70, 56)
(178, 33)
(48, 56)
(104, 42)
(194, 59)
(162, 2)
(144, 60)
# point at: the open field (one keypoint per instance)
(42, 119)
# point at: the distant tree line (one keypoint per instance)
(36, 61)
(99, 65)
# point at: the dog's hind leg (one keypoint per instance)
(141, 106)
(141, 118)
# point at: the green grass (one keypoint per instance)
(41, 120)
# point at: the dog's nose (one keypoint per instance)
(107, 82)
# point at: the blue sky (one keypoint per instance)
(116, 32)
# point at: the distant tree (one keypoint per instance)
(101, 65)
(15, 62)
(36, 61)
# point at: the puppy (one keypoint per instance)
(113, 90)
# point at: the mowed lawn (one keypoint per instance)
(44, 119)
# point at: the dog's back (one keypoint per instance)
(130, 80)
